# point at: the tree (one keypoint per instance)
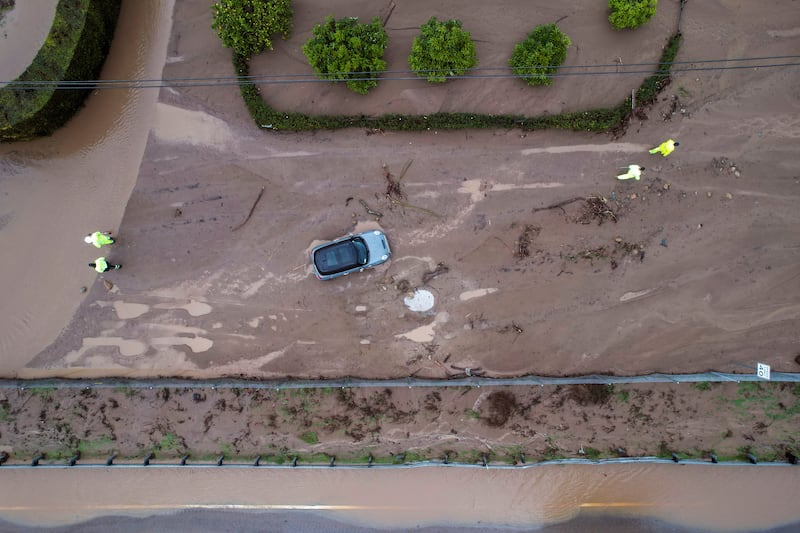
(247, 26)
(442, 49)
(346, 50)
(538, 57)
(631, 13)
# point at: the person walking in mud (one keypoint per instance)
(99, 239)
(101, 265)
(665, 148)
(634, 172)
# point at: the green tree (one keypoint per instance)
(442, 49)
(346, 50)
(631, 13)
(538, 57)
(247, 26)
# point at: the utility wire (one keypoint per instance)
(400, 75)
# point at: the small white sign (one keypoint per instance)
(762, 371)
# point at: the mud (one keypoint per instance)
(467, 424)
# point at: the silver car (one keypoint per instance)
(352, 253)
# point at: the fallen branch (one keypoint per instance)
(251, 210)
(388, 12)
(557, 205)
(369, 209)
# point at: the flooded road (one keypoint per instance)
(53, 191)
(23, 30)
(712, 497)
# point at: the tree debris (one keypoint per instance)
(529, 233)
(258, 199)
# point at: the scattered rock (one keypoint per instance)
(728, 196)
(83, 290)
(107, 284)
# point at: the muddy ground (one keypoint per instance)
(694, 267)
(401, 424)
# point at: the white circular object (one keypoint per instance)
(421, 301)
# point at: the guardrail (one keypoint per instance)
(468, 381)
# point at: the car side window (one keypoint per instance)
(361, 250)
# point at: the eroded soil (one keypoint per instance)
(403, 424)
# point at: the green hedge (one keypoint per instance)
(74, 49)
(596, 120)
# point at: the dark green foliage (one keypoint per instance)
(346, 50)
(538, 57)
(596, 120)
(442, 49)
(247, 26)
(631, 13)
(74, 49)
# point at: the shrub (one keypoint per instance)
(75, 49)
(538, 57)
(631, 13)
(247, 26)
(346, 50)
(443, 49)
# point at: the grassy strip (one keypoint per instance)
(74, 49)
(594, 120)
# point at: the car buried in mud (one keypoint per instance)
(352, 253)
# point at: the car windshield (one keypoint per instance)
(341, 256)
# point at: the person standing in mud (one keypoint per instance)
(665, 148)
(634, 172)
(99, 239)
(101, 265)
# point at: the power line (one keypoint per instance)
(405, 75)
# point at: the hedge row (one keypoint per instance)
(595, 120)
(74, 49)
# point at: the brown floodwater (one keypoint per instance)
(22, 32)
(53, 191)
(712, 497)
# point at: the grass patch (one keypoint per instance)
(470, 413)
(310, 437)
(592, 453)
(226, 448)
(624, 396)
(170, 442)
(95, 447)
(754, 395)
(5, 414)
(703, 385)
(43, 392)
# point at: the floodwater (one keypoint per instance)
(54, 191)
(22, 32)
(712, 497)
